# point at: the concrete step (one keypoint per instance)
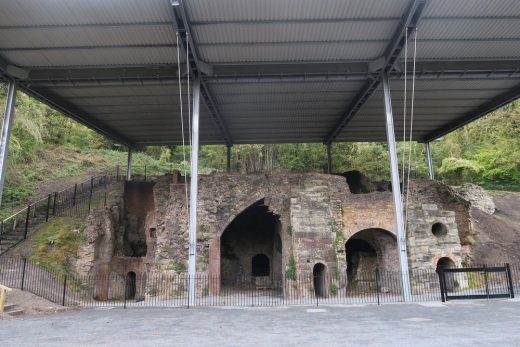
(13, 310)
(16, 312)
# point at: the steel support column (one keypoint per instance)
(228, 163)
(6, 132)
(192, 268)
(129, 165)
(329, 158)
(396, 190)
(430, 162)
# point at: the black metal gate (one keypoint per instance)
(476, 283)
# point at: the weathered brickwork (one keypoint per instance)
(316, 216)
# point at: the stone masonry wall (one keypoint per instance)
(317, 214)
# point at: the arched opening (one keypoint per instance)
(318, 273)
(130, 285)
(260, 265)
(368, 250)
(251, 247)
(447, 263)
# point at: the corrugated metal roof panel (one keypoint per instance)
(469, 8)
(469, 29)
(229, 10)
(87, 36)
(356, 51)
(35, 12)
(466, 50)
(293, 32)
(131, 91)
(284, 87)
(93, 57)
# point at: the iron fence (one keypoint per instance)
(76, 201)
(482, 282)
(152, 289)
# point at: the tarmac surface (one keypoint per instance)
(463, 323)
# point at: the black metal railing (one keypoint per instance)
(76, 201)
(482, 282)
(152, 289)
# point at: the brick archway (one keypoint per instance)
(215, 266)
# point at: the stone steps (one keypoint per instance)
(13, 310)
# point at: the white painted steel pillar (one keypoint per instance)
(430, 162)
(129, 165)
(396, 190)
(6, 132)
(329, 158)
(192, 260)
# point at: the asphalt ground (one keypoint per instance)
(464, 323)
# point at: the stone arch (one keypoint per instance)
(369, 249)
(319, 275)
(252, 232)
(260, 265)
(452, 280)
(130, 285)
(447, 257)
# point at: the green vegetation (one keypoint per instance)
(177, 266)
(333, 289)
(290, 271)
(46, 146)
(56, 245)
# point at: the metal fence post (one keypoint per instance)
(126, 291)
(74, 196)
(54, 203)
(48, 208)
(510, 281)
(64, 290)
(377, 284)
(1, 230)
(486, 281)
(440, 272)
(145, 172)
(117, 173)
(90, 194)
(27, 221)
(23, 273)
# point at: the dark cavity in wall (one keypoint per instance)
(358, 183)
(138, 202)
(251, 246)
(368, 250)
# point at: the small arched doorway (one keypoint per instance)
(260, 265)
(130, 285)
(318, 274)
(447, 263)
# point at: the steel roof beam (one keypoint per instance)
(82, 26)
(70, 111)
(68, 48)
(181, 24)
(121, 73)
(291, 21)
(390, 58)
(494, 104)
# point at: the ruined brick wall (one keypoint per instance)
(317, 215)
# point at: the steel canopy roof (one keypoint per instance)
(272, 71)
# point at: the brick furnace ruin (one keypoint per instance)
(271, 227)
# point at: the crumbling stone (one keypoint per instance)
(478, 197)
